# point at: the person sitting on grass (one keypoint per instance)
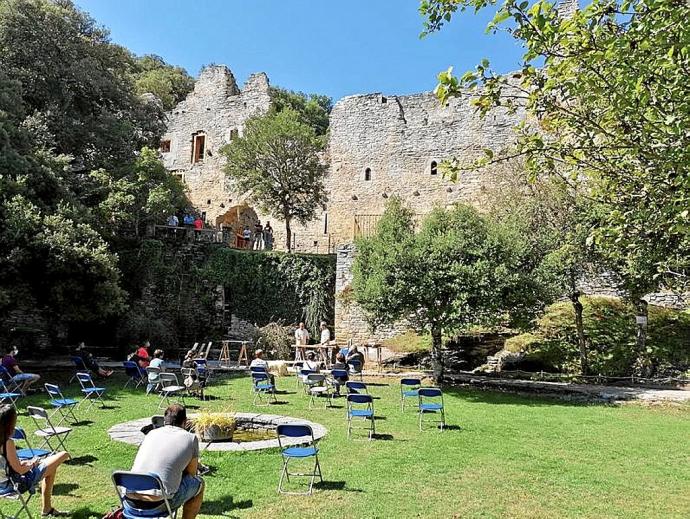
(171, 453)
(158, 365)
(34, 470)
(21, 379)
(90, 362)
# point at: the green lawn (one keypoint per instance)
(506, 456)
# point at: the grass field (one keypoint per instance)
(504, 456)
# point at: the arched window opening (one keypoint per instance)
(434, 167)
(367, 174)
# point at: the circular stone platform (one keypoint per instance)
(130, 432)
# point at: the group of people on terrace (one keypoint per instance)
(261, 238)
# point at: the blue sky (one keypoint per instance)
(333, 47)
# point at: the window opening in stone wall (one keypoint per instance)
(165, 146)
(367, 174)
(198, 148)
(179, 174)
(383, 100)
(325, 223)
(203, 215)
(234, 133)
(434, 167)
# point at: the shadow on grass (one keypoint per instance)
(496, 396)
(85, 513)
(377, 384)
(82, 460)
(336, 485)
(64, 489)
(223, 505)
(82, 423)
(385, 437)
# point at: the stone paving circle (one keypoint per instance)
(130, 432)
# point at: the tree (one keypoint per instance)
(608, 100)
(168, 83)
(77, 87)
(313, 109)
(145, 193)
(278, 164)
(459, 270)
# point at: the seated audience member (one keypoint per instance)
(90, 361)
(259, 362)
(340, 364)
(172, 454)
(143, 357)
(311, 362)
(159, 367)
(189, 357)
(34, 471)
(356, 355)
(23, 380)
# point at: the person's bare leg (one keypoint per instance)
(52, 462)
(192, 507)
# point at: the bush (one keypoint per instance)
(276, 340)
(610, 328)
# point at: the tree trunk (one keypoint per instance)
(288, 235)
(642, 367)
(580, 327)
(437, 353)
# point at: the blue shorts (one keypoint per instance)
(23, 377)
(190, 486)
(33, 478)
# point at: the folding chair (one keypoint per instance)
(92, 393)
(203, 372)
(360, 406)
(14, 495)
(10, 385)
(63, 406)
(155, 380)
(356, 368)
(303, 450)
(46, 429)
(354, 387)
(169, 387)
(318, 387)
(144, 483)
(339, 377)
(134, 373)
(302, 375)
(431, 402)
(257, 369)
(408, 389)
(80, 367)
(262, 387)
(208, 350)
(7, 396)
(28, 452)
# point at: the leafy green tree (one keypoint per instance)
(608, 100)
(76, 85)
(313, 109)
(278, 164)
(168, 83)
(146, 193)
(459, 270)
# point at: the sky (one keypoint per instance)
(332, 47)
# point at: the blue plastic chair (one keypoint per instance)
(360, 406)
(7, 396)
(13, 494)
(302, 376)
(125, 482)
(8, 380)
(135, 374)
(63, 406)
(79, 366)
(264, 391)
(356, 387)
(409, 389)
(431, 403)
(293, 449)
(91, 392)
(340, 378)
(28, 452)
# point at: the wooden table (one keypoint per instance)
(377, 347)
(301, 352)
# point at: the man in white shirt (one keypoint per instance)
(325, 339)
(301, 335)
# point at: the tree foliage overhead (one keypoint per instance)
(608, 90)
(278, 164)
(457, 271)
(170, 84)
(313, 109)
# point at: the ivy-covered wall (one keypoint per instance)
(177, 290)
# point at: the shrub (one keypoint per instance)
(610, 330)
(276, 340)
